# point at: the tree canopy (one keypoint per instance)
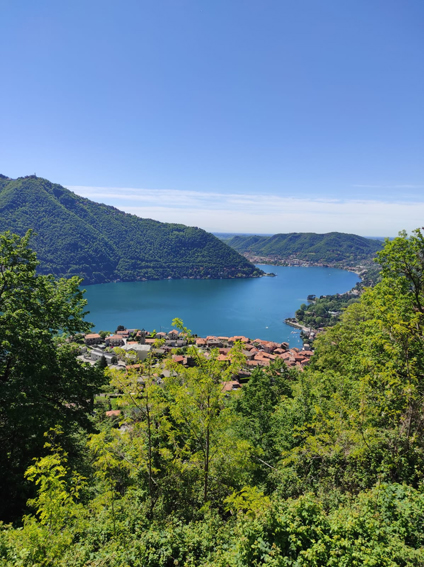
(42, 385)
(320, 467)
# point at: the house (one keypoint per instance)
(240, 339)
(123, 334)
(230, 385)
(269, 346)
(114, 341)
(133, 367)
(96, 354)
(224, 350)
(113, 413)
(140, 351)
(249, 354)
(92, 339)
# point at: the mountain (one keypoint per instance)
(76, 236)
(326, 248)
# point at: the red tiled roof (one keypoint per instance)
(230, 385)
(113, 413)
(114, 338)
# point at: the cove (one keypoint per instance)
(255, 308)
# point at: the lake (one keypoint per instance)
(255, 307)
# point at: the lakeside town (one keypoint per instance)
(293, 261)
(127, 348)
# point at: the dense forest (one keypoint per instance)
(324, 311)
(334, 247)
(321, 467)
(74, 236)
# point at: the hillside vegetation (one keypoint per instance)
(333, 247)
(316, 468)
(75, 236)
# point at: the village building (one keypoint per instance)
(140, 351)
(230, 386)
(97, 354)
(114, 341)
(92, 339)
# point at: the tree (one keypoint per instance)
(257, 404)
(145, 408)
(208, 450)
(102, 362)
(42, 384)
(366, 383)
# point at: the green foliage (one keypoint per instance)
(323, 248)
(324, 311)
(42, 385)
(316, 468)
(366, 385)
(380, 528)
(75, 236)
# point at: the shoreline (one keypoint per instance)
(169, 278)
(276, 314)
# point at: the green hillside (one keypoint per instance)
(75, 236)
(306, 465)
(331, 247)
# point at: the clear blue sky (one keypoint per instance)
(233, 115)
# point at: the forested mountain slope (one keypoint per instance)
(309, 466)
(331, 247)
(76, 236)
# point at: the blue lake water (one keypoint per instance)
(255, 308)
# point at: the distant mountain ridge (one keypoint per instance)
(332, 247)
(76, 236)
